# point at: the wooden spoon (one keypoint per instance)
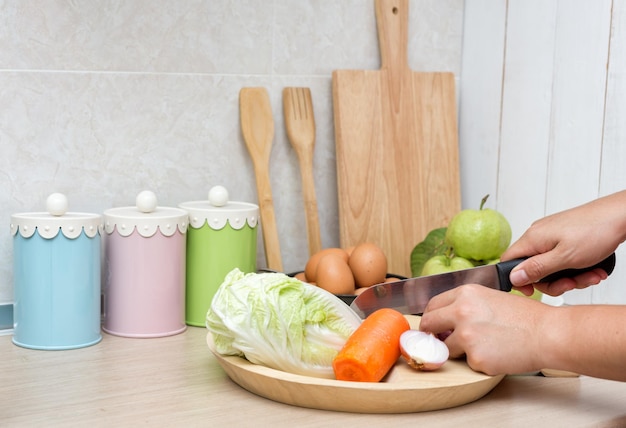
(257, 126)
(300, 124)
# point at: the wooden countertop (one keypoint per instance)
(176, 381)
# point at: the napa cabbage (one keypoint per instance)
(280, 322)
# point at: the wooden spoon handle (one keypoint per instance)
(271, 243)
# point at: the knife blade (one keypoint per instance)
(410, 296)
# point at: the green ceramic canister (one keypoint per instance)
(222, 235)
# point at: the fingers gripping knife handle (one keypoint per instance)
(505, 268)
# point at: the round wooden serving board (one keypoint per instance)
(403, 390)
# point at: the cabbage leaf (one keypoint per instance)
(280, 322)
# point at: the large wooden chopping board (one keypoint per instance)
(397, 147)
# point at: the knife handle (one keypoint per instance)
(505, 268)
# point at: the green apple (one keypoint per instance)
(536, 295)
(482, 234)
(443, 264)
(484, 262)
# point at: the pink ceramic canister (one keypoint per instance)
(144, 287)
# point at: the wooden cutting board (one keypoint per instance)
(403, 390)
(396, 146)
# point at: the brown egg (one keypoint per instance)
(368, 264)
(360, 290)
(334, 275)
(301, 276)
(311, 266)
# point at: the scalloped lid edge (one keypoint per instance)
(127, 219)
(48, 226)
(237, 214)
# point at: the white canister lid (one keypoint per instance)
(217, 210)
(146, 217)
(48, 224)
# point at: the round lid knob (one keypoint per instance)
(56, 204)
(218, 196)
(146, 201)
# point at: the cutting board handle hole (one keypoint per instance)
(394, 10)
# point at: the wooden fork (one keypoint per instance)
(300, 124)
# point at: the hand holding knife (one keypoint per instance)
(410, 296)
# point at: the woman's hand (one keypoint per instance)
(575, 238)
(501, 333)
(497, 331)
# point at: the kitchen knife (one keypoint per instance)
(410, 296)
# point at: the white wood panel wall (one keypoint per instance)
(543, 112)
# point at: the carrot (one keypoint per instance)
(372, 350)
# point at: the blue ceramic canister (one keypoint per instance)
(56, 277)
